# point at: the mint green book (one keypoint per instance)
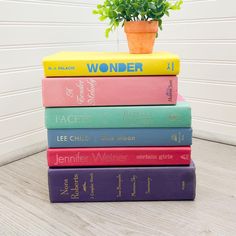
(176, 116)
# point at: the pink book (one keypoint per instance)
(125, 156)
(109, 91)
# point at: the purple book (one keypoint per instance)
(122, 184)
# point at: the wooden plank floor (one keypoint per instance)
(25, 208)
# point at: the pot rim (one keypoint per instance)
(141, 26)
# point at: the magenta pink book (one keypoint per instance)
(109, 91)
(119, 156)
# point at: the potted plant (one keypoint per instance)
(140, 18)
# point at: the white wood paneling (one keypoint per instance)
(29, 31)
(208, 30)
(203, 35)
(33, 54)
(22, 146)
(47, 11)
(17, 80)
(16, 102)
(50, 33)
(220, 112)
(201, 90)
(209, 71)
(10, 127)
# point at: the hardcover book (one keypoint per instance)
(119, 117)
(130, 156)
(122, 184)
(135, 137)
(110, 64)
(109, 91)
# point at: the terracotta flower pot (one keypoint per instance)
(141, 36)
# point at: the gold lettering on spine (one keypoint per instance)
(92, 187)
(106, 138)
(134, 185)
(149, 180)
(118, 138)
(65, 190)
(143, 117)
(173, 117)
(126, 138)
(75, 194)
(169, 91)
(119, 186)
(177, 137)
(85, 187)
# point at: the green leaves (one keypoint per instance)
(177, 5)
(119, 11)
(108, 30)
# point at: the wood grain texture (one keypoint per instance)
(25, 208)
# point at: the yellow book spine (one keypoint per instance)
(112, 67)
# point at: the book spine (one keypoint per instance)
(148, 156)
(100, 91)
(119, 137)
(122, 184)
(123, 67)
(119, 117)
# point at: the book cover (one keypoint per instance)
(119, 117)
(121, 156)
(63, 138)
(122, 184)
(109, 91)
(110, 64)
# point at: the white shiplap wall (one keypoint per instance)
(30, 30)
(203, 33)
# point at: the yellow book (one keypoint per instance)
(110, 64)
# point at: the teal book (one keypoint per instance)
(177, 116)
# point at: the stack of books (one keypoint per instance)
(117, 129)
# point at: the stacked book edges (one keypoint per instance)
(117, 128)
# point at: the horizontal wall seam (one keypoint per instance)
(53, 2)
(98, 23)
(22, 135)
(50, 24)
(23, 113)
(205, 81)
(196, 42)
(53, 45)
(20, 92)
(211, 101)
(20, 69)
(214, 121)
